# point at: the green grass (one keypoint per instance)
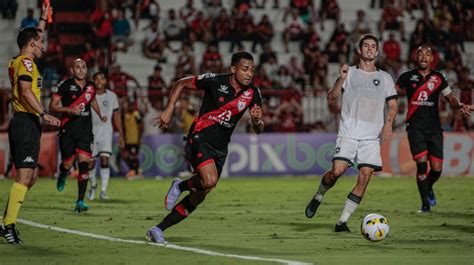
(248, 216)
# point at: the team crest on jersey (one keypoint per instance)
(88, 96)
(241, 105)
(430, 86)
(431, 82)
(224, 89)
(414, 78)
(376, 82)
(27, 63)
(105, 103)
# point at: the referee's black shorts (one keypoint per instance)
(24, 134)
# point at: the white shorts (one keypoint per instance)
(102, 147)
(367, 152)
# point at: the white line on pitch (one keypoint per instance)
(172, 246)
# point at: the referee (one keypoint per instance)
(24, 130)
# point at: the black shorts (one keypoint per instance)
(200, 153)
(132, 148)
(73, 141)
(426, 142)
(24, 134)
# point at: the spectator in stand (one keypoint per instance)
(341, 37)
(269, 117)
(243, 26)
(156, 85)
(121, 83)
(311, 39)
(222, 26)
(121, 32)
(262, 81)
(211, 60)
(187, 12)
(329, 9)
(392, 56)
(466, 85)
(101, 21)
(263, 3)
(90, 56)
(174, 27)
(297, 72)
(439, 37)
(153, 44)
(319, 79)
(149, 9)
(360, 26)
(416, 4)
(453, 54)
(304, 8)
(282, 79)
(271, 68)
(52, 62)
(29, 20)
(152, 110)
(450, 74)
(390, 19)
(200, 28)
(420, 36)
(290, 111)
(263, 33)
(8, 8)
(214, 9)
(186, 60)
(266, 54)
(294, 30)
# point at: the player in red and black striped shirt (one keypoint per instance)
(226, 98)
(423, 86)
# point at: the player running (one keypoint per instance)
(24, 130)
(73, 98)
(226, 98)
(103, 134)
(423, 86)
(364, 90)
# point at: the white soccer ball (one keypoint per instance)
(374, 227)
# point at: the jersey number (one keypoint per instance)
(225, 116)
(423, 96)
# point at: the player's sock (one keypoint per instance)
(92, 178)
(82, 180)
(351, 205)
(179, 213)
(192, 184)
(323, 187)
(104, 177)
(433, 176)
(423, 183)
(15, 200)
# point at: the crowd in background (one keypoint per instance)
(445, 25)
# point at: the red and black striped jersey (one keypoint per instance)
(72, 94)
(423, 97)
(221, 107)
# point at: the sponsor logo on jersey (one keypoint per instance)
(73, 88)
(206, 75)
(28, 159)
(414, 78)
(29, 66)
(224, 89)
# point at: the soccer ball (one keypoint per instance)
(374, 227)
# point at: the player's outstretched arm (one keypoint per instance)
(455, 104)
(388, 125)
(336, 90)
(175, 93)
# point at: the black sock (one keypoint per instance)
(179, 213)
(63, 171)
(82, 180)
(433, 176)
(423, 183)
(192, 184)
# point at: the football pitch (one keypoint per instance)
(244, 221)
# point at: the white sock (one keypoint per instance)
(104, 176)
(320, 192)
(92, 178)
(349, 208)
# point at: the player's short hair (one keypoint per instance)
(367, 37)
(424, 46)
(238, 56)
(97, 74)
(26, 35)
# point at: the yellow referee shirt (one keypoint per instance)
(23, 68)
(131, 122)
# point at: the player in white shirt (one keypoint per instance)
(364, 90)
(103, 135)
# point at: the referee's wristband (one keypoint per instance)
(43, 113)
